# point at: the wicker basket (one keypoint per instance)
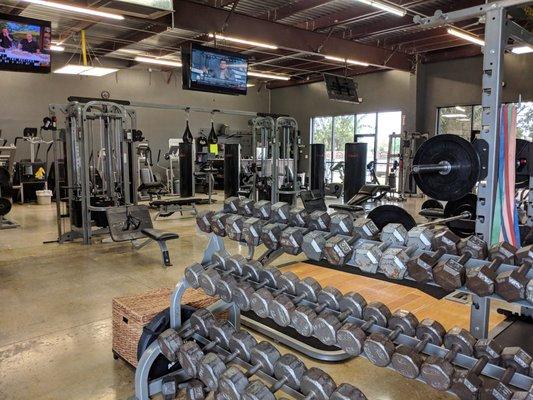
(132, 313)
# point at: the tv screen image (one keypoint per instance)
(341, 89)
(214, 70)
(24, 44)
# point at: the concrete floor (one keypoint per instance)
(55, 319)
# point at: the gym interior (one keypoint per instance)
(251, 200)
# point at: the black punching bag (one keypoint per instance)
(318, 166)
(355, 169)
(232, 169)
(186, 170)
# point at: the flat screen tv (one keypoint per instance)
(211, 70)
(341, 89)
(25, 44)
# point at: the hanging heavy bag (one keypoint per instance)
(187, 135)
(212, 138)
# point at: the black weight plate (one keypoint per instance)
(389, 214)
(5, 206)
(151, 331)
(463, 158)
(432, 204)
(523, 163)
(5, 182)
(457, 207)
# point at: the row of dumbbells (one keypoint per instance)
(326, 313)
(386, 256)
(210, 370)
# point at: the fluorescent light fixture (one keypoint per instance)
(129, 51)
(71, 69)
(81, 10)
(155, 61)
(522, 50)
(250, 85)
(269, 76)
(243, 41)
(98, 71)
(464, 120)
(466, 36)
(459, 108)
(454, 116)
(347, 61)
(385, 7)
(57, 48)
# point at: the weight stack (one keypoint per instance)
(355, 169)
(232, 169)
(318, 154)
(186, 157)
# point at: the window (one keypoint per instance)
(373, 129)
(462, 120)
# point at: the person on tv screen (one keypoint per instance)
(224, 71)
(6, 41)
(29, 44)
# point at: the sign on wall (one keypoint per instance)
(161, 4)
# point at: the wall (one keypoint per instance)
(458, 82)
(25, 98)
(383, 91)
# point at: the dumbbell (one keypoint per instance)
(282, 307)
(210, 277)
(379, 347)
(475, 246)
(218, 223)
(394, 234)
(292, 239)
(511, 285)
(438, 372)
(341, 224)
(314, 243)
(339, 249)
(231, 205)
(365, 228)
(407, 360)
(262, 210)
(421, 237)
(482, 280)
(523, 254)
(234, 224)
(504, 251)
(467, 383)
(451, 274)
(251, 231)
(393, 262)
(421, 268)
(529, 291)
(326, 324)
(194, 271)
(368, 255)
(319, 221)
(351, 337)
(245, 207)
(515, 360)
(262, 299)
(298, 217)
(346, 391)
(271, 235)
(448, 240)
(203, 221)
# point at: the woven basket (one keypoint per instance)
(132, 313)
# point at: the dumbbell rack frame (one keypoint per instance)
(144, 388)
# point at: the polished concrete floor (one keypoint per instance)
(55, 319)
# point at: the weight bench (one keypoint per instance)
(134, 224)
(313, 200)
(153, 189)
(370, 192)
(167, 207)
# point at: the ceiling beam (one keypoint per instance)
(203, 19)
(290, 9)
(15, 9)
(452, 54)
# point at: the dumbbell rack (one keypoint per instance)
(144, 389)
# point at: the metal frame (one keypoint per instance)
(498, 29)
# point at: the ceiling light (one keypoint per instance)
(522, 50)
(464, 120)
(81, 10)
(243, 41)
(459, 108)
(455, 116)
(98, 71)
(71, 69)
(250, 85)
(57, 48)
(347, 61)
(269, 76)
(167, 63)
(466, 36)
(385, 7)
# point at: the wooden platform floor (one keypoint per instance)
(448, 313)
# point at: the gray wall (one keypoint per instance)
(458, 82)
(25, 98)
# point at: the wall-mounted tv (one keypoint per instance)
(211, 70)
(341, 89)
(25, 44)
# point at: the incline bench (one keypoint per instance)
(133, 224)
